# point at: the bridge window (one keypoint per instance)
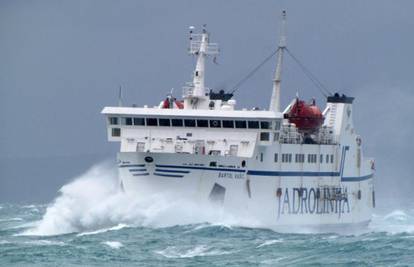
(276, 157)
(202, 123)
(116, 132)
(152, 122)
(327, 158)
(127, 121)
(228, 124)
(241, 124)
(215, 124)
(164, 122)
(331, 158)
(321, 158)
(264, 136)
(253, 124)
(177, 122)
(113, 120)
(189, 123)
(139, 121)
(265, 125)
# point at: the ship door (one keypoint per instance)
(233, 150)
(140, 147)
(199, 148)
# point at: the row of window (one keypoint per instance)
(300, 158)
(191, 123)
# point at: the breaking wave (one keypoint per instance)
(190, 252)
(93, 203)
(113, 244)
(270, 242)
(395, 222)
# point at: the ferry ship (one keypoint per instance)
(301, 166)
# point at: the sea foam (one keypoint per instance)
(113, 244)
(94, 204)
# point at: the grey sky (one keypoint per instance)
(62, 61)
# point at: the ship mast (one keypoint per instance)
(275, 99)
(198, 76)
(195, 96)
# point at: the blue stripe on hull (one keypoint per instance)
(174, 171)
(357, 179)
(249, 172)
(199, 168)
(290, 173)
(168, 175)
(310, 174)
(131, 165)
(140, 174)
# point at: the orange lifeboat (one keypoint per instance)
(308, 118)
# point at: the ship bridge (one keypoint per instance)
(209, 132)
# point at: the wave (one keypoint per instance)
(396, 215)
(395, 222)
(104, 230)
(113, 244)
(93, 203)
(45, 243)
(186, 252)
(11, 219)
(270, 242)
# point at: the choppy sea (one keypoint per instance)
(91, 223)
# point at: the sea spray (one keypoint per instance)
(94, 203)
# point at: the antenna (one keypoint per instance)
(120, 96)
(200, 47)
(275, 99)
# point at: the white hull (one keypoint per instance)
(191, 176)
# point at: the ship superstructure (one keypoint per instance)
(302, 166)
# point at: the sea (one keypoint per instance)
(91, 222)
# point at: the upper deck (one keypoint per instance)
(193, 113)
(218, 132)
